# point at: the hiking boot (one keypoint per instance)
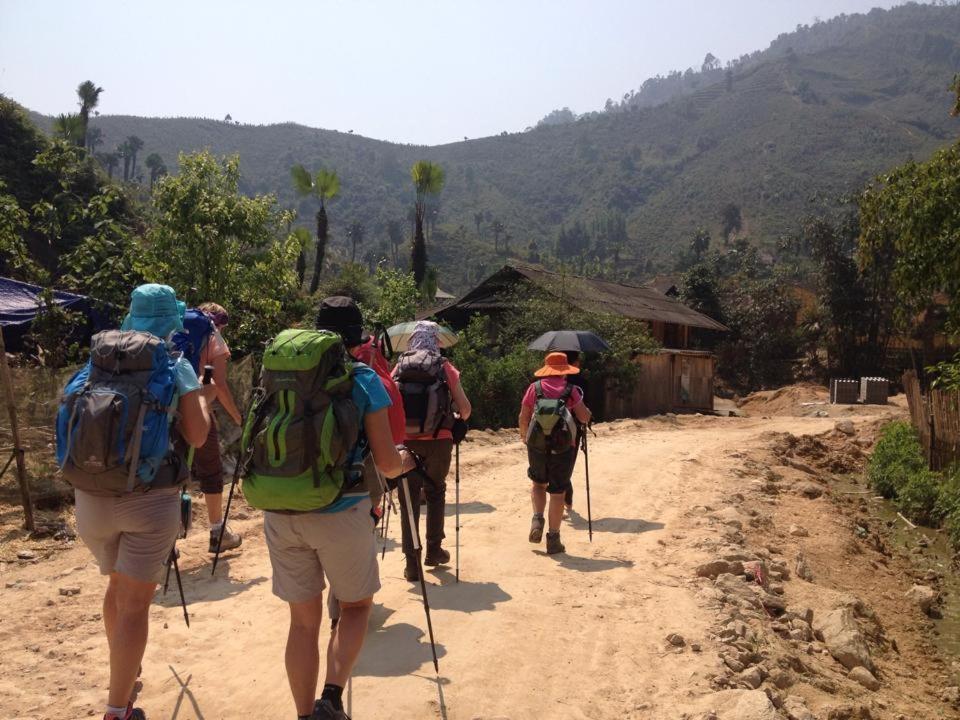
(536, 528)
(231, 540)
(324, 710)
(554, 545)
(437, 556)
(411, 572)
(131, 714)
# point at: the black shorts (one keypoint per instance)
(553, 470)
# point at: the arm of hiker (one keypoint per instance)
(525, 415)
(461, 401)
(581, 412)
(195, 414)
(223, 388)
(390, 461)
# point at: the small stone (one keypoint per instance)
(676, 640)
(50, 603)
(719, 567)
(809, 490)
(923, 596)
(846, 427)
(802, 569)
(68, 591)
(781, 679)
(732, 663)
(752, 677)
(951, 695)
(864, 677)
(695, 647)
(26, 555)
(798, 531)
(796, 708)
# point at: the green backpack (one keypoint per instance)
(553, 428)
(301, 431)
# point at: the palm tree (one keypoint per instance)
(94, 139)
(395, 233)
(135, 145)
(156, 167)
(109, 161)
(68, 127)
(356, 234)
(123, 152)
(325, 186)
(478, 219)
(497, 228)
(427, 180)
(89, 95)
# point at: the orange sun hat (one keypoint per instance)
(556, 364)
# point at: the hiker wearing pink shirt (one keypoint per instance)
(549, 413)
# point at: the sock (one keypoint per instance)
(333, 693)
(554, 533)
(120, 712)
(216, 527)
(304, 717)
(538, 516)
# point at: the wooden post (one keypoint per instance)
(15, 431)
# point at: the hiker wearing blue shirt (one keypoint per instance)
(337, 541)
(131, 532)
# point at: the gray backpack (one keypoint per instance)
(422, 380)
(113, 423)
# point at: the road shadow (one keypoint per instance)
(468, 597)
(468, 508)
(395, 650)
(185, 692)
(612, 524)
(585, 564)
(198, 585)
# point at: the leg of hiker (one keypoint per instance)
(130, 537)
(437, 456)
(127, 633)
(302, 655)
(556, 512)
(346, 641)
(538, 497)
(411, 571)
(208, 470)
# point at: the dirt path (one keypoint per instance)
(523, 635)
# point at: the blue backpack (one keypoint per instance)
(113, 422)
(197, 329)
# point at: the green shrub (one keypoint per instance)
(896, 458)
(947, 507)
(917, 497)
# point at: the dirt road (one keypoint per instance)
(523, 635)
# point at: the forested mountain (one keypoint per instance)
(743, 150)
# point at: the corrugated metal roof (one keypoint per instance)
(640, 303)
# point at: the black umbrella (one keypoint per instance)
(569, 341)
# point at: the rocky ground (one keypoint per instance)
(736, 572)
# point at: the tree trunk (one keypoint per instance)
(321, 248)
(301, 267)
(418, 255)
(133, 166)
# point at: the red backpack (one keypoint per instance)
(370, 354)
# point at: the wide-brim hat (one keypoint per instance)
(556, 364)
(154, 308)
(342, 315)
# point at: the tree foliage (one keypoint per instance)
(214, 244)
(911, 215)
(428, 179)
(324, 186)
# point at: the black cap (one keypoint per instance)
(341, 315)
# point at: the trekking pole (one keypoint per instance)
(405, 484)
(386, 530)
(457, 475)
(586, 468)
(176, 571)
(226, 511)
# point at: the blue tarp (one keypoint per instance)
(20, 304)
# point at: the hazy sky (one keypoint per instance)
(422, 71)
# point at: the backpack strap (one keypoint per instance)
(538, 389)
(442, 380)
(134, 453)
(567, 392)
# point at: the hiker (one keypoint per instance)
(435, 405)
(549, 413)
(207, 466)
(573, 358)
(318, 522)
(129, 518)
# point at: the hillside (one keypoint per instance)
(814, 116)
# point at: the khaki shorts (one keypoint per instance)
(132, 534)
(304, 546)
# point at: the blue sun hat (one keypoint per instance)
(154, 309)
